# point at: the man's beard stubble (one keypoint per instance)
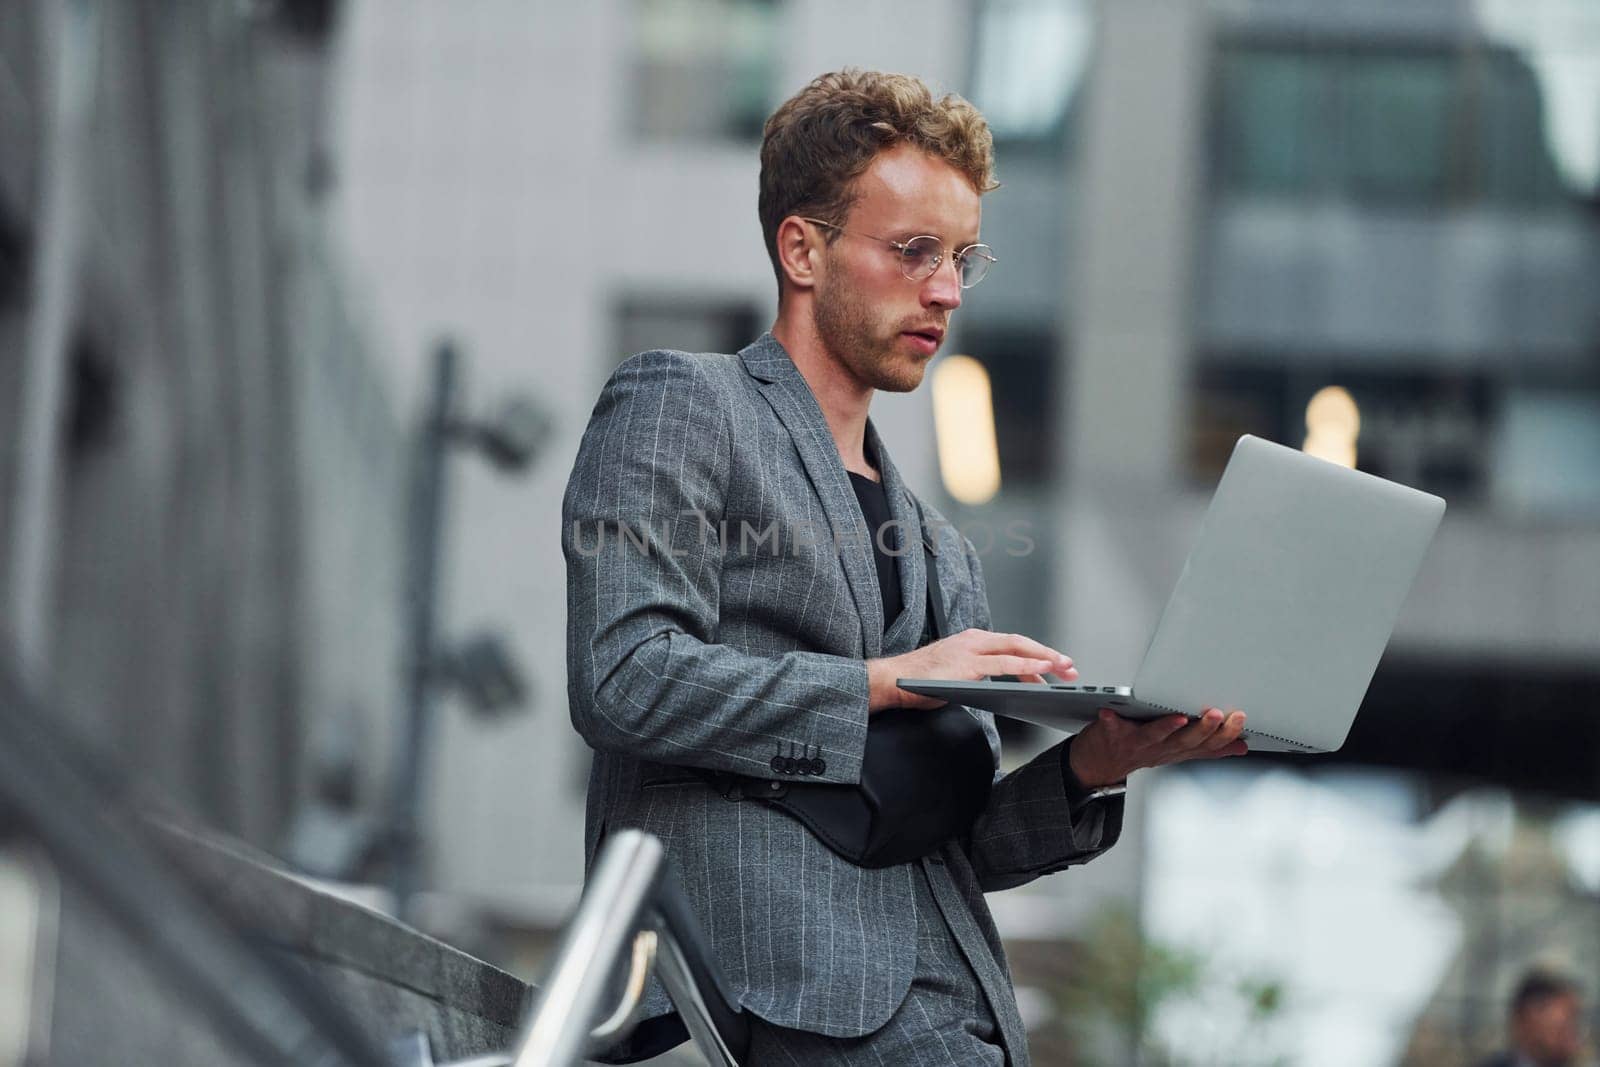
(845, 325)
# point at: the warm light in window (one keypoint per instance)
(963, 421)
(1333, 422)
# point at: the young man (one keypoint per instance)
(710, 628)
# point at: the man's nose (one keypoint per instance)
(943, 286)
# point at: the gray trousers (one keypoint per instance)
(946, 1017)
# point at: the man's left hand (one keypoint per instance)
(1111, 748)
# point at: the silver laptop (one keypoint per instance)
(1283, 609)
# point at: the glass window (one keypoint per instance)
(703, 324)
(1429, 125)
(1547, 452)
(1552, 51)
(1505, 125)
(1023, 366)
(1268, 138)
(1397, 121)
(1432, 430)
(1031, 59)
(1512, 161)
(703, 70)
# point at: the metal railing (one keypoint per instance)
(82, 811)
(631, 905)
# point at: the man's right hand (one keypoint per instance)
(965, 657)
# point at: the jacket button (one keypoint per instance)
(777, 764)
(788, 765)
(818, 766)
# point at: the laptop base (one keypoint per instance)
(1069, 708)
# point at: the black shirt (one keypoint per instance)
(874, 503)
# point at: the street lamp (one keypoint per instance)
(482, 668)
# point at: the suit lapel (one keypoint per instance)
(796, 407)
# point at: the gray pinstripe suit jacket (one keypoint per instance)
(688, 648)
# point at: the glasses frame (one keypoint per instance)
(959, 258)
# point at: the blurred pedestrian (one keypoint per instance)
(1545, 1023)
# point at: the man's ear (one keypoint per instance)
(796, 243)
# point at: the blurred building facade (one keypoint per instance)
(199, 465)
(1210, 212)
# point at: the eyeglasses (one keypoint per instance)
(921, 256)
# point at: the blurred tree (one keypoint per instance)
(1122, 981)
(1520, 903)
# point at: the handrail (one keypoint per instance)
(614, 907)
(687, 996)
(621, 1021)
(78, 808)
(630, 896)
(81, 809)
(631, 904)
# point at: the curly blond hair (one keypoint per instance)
(821, 139)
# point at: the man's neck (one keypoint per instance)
(843, 397)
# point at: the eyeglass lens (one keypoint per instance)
(921, 256)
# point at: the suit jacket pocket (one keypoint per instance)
(670, 778)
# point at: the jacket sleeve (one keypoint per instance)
(1030, 826)
(645, 674)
